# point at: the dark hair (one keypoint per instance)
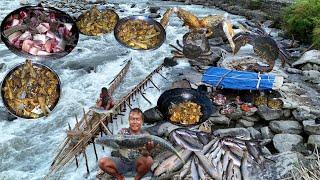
(137, 110)
(104, 89)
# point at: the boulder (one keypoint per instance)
(255, 134)
(245, 123)
(289, 127)
(287, 142)
(233, 132)
(266, 133)
(311, 76)
(312, 56)
(251, 118)
(181, 84)
(310, 127)
(219, 119)
(303, 113)
(269, 114)
(314, 140)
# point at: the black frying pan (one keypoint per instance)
(60, 15)
(178, 95)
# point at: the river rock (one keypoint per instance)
(286, 113)
(293, 70)
(154, 15)
(5, 115)
(266, 133)
(219, 119)
(251, 118)
(245, 123)
(233, 132)
(312, 56)
(289, 127)
(310, 127)
(269, 114)
(255, 134)
(283, 164)
(265, 151)
(314, 140)
(311, 76)
(286, 142)
(181, 84)
(152, 115)
(303, 113)
(154, 9)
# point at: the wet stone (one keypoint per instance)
(245, 123)
(233, 132)
(154, 9)
(310, 127)
(269, 114)
(266, 133)
(286, 142)
(251, 118)
(303, 113)
(219, 119)
(289, 127)
(314, 140)
(255, 134)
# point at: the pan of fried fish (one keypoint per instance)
(30, 90)
(185, 106)
(139, 33)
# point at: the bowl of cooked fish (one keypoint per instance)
(95, 22)
(39, 33)
(185, 106)
(139, 33)
(30, 90)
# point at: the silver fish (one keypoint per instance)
(194, 171)
(253, 151)
(217, 158)
(214, 142)
(200, 169)
(183, 142)
(229, 170)
(173, 163)
(225, 160)
(220, 170)
(244, 166)
(185, 170)
(209, 168)
(236, 173)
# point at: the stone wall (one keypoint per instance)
(252, 9)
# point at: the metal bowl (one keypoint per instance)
(82, 15)
(150, 21)
(179, 95)
(60, 15)
(12, 111)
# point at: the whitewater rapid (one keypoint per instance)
(27, 147)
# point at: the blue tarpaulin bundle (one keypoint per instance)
(241, 80)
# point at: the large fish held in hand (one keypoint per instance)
(135, 141)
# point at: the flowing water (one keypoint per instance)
(27, 147)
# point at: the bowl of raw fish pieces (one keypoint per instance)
(39, 33)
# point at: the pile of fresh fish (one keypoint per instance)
(208, 156)
(38, 32)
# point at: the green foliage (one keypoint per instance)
(302, 20)
(254, 4)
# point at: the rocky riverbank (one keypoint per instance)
(260, 10)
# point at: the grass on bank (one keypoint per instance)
(302, 20)
(308, 171)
